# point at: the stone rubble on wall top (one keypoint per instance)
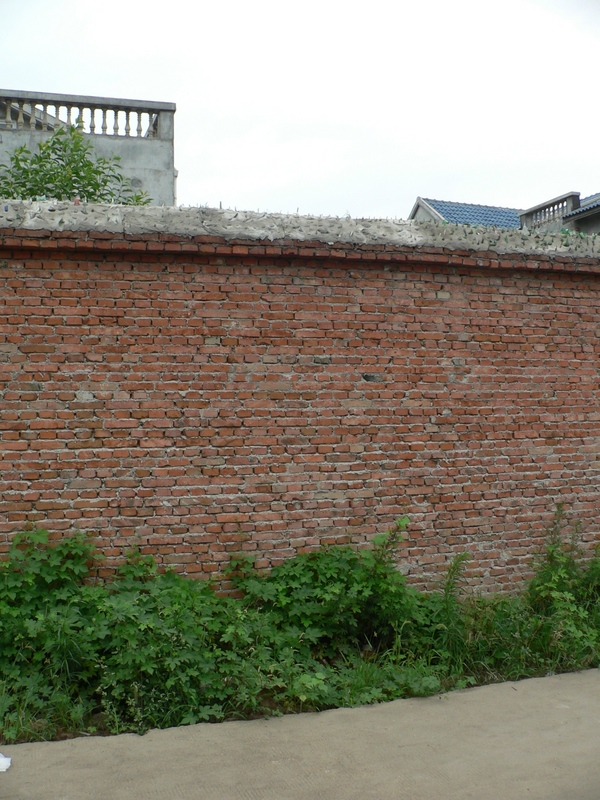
(257, 226)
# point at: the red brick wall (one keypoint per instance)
(200, 398)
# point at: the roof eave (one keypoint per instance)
(584, 211)
(423, 203)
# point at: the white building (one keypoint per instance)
(140, 132)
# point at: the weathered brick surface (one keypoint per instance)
(201, 398)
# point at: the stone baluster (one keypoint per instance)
(48, 114)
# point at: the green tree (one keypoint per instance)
(64, 168)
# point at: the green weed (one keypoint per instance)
(336, 627)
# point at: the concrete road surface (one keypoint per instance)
(536, 739)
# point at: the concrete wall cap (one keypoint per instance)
(256, 226)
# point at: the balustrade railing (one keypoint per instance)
(550, 213)
(101, 116)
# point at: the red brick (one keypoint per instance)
(117, 415)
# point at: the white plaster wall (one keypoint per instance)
(149, 163)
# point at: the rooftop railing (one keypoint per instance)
(550, 213)
(100, 116)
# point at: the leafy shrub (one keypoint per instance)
(335, 597)
(65, 167)
(44, 635)
(337, 627)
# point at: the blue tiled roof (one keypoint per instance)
(471, 214)
(587, 204)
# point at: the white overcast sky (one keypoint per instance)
(338, 107)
